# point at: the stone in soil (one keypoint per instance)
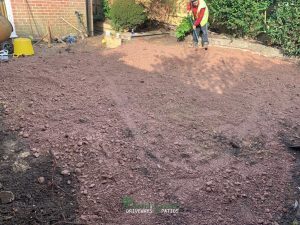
(260, 221)
(36, 155)
(25, 135)
(24, 154)
(20, 166)
(65, 172)
(6, 197)
(208, 189)
(209, 183)
(41, 180)
(80, 165)
(78, 171)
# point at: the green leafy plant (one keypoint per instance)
(183, 28)
(239, 17)
(126, 14)
(106, 9)
(284, 26)
(279, 20)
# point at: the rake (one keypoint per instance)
(194, 31)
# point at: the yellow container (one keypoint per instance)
(23, 47)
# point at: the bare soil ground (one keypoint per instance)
(155, 121)
(41, 194)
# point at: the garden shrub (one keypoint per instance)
(106, 8)
(239, 17)
(126, 14)
(284, 26)
(183, 28)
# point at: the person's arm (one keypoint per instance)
(199, 17)
(188, 7)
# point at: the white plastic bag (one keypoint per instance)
(4, 55)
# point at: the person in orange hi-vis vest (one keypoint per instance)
(199, 10)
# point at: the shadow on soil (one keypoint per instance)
(32, 192)
(55, 203)
(208, 80)
(291, 137)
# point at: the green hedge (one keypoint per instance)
(238, 17)
(278, 20)
(284, 26)
(126, 14)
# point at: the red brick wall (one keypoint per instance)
(44, 11)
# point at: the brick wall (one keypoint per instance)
(33, 20)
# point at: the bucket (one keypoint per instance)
(23, 47)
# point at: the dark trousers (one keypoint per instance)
(204, 30)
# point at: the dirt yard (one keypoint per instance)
(155, 122)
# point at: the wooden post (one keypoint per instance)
(49, 35)
(90, 17)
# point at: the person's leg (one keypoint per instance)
(196, 34)
(204, 30)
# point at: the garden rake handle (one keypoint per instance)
(195, 32)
